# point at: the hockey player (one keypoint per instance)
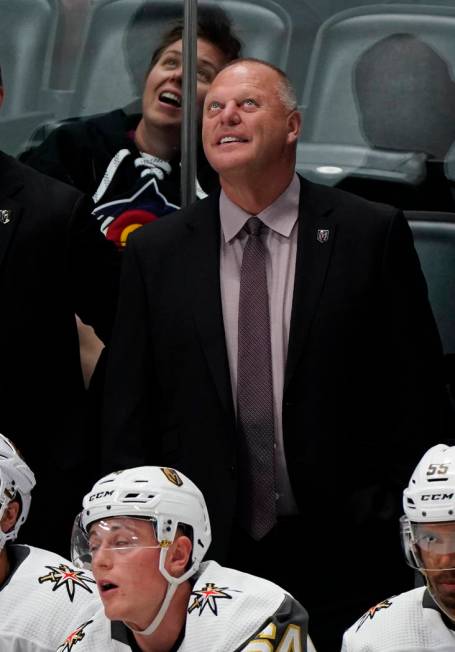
(424, 618)
(40, 592)
(144, 532)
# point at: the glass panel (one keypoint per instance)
(374, 79)
(378, 102)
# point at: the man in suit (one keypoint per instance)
(353, 354)
(53, 263)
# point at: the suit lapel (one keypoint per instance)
(203, 282)
(10, 209)
(316, 238)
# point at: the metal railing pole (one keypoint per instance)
(189, 135)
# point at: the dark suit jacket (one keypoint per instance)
(53, 263)
(363, 395)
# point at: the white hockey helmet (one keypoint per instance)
(162, 494)
(429, 498)
(16, 481)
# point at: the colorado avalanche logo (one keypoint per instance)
(208, 596)
(371, 613)
(76, 636)
(63, 575)
(119, 218)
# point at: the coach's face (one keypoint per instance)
(247, 128)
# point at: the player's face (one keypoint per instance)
(10, 516)
(246, 126)
(125, 555)
(162, 98)
(436, 547)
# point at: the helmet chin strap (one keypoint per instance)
(438, 602)
(172, 585)
(3, 539)
(171, 589)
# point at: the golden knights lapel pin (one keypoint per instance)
(5, 216)
(323, 235)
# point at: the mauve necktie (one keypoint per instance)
(255, 390)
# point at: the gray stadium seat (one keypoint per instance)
(331, 163)
(117, 51)
(27, 31)
(364, 97)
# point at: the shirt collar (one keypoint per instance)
(280, 216)
(16, 555)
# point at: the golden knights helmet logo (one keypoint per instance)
(172, 476)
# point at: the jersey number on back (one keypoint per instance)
(291, 641)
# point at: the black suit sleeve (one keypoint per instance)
(129, 390)
(416, 351)
(93, 270)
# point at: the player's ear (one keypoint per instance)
(178, 556)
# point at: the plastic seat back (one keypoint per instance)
(27, 33)
(381, 78)
(434, 239)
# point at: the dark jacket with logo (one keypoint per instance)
(99, 157)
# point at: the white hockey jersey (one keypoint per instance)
(228, 611)
(41, 597)
(409, 622)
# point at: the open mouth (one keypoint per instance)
(104, 587)
(171, 98)
(231, 139)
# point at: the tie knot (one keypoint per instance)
(253, 225)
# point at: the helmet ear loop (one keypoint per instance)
(173, 583)
(165, 545)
